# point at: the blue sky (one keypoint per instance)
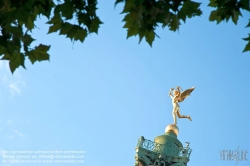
(102, 95)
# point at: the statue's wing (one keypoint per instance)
(185, 94)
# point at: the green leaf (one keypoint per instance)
(2, 50)
(17, 31)
(174, 23)
(214, 16)
(11, 47)
(133, 30)
(248, 25)
(235, 17)
(247, 47)
(40, 9)
(167, 20)
(227, 17)
(128, 6)
(129, 19)
(221, 3)
(72, 32)
(55, 19)
(245, 4)
(81, 35)
(141, 34)
(213, 3)
(6, 56)
(65, 28)
(42, 2)
(16, 60)
(67, 10)
(182, 15)
(55, 27)
(22, 15)
(39, 53)
(160, 17)
(150, 36)
(76, 33)
(118, 1)
(94, 25)
(48, 7)
(30, 23)
(191, 8)
(42, 48)
(247, 38)
(27, 40)
(84, 18)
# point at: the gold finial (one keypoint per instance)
(172, 128)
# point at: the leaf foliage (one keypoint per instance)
(226, 9)
(17, 20)
(247, 47)
(142, 17)
(76, 19)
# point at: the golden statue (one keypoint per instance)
(179, 96)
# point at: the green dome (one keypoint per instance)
(171, 145)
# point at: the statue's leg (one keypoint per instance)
(174, 116)
(183, 116)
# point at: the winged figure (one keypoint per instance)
(178, 96)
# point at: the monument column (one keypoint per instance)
(166, 150)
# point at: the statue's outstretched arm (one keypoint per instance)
(179, 88)
(170, 93)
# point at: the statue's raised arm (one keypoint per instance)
(179, 96)
(171, 93)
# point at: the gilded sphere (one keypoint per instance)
(172, 128)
